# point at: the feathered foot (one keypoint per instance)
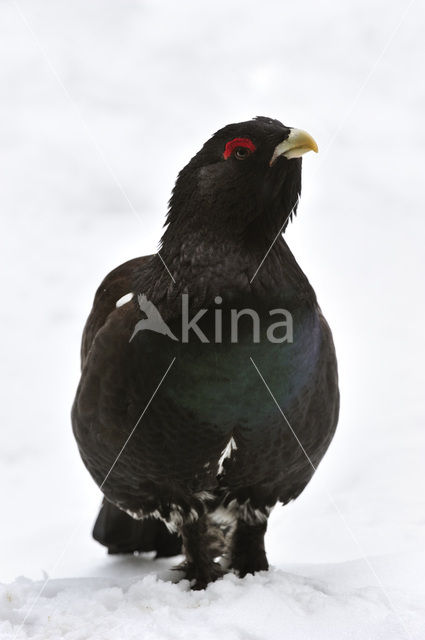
(200, 546)
(248, 554)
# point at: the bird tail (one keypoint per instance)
(119, 532)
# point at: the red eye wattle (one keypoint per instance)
(238, 142)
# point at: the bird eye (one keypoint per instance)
(239, 148)
(242, 152)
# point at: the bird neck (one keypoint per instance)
(206, 265)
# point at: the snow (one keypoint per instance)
(102, 103)
(274, 605)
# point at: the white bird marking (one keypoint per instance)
(124, 299)
(227, 453)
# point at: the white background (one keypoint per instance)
(101, 104)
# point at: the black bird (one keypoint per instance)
(195, 431)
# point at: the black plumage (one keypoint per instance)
(210, 452)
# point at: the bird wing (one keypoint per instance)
(114, 286)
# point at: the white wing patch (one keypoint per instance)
(124, 299)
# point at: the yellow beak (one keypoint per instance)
(295, 145)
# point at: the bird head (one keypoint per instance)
(245, 180)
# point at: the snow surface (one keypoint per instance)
(328, 602)
(102, 102)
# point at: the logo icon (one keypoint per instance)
(153, 322)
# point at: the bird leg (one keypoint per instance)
(248, 554)
(199, 544)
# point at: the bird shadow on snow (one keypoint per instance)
(139, 565)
